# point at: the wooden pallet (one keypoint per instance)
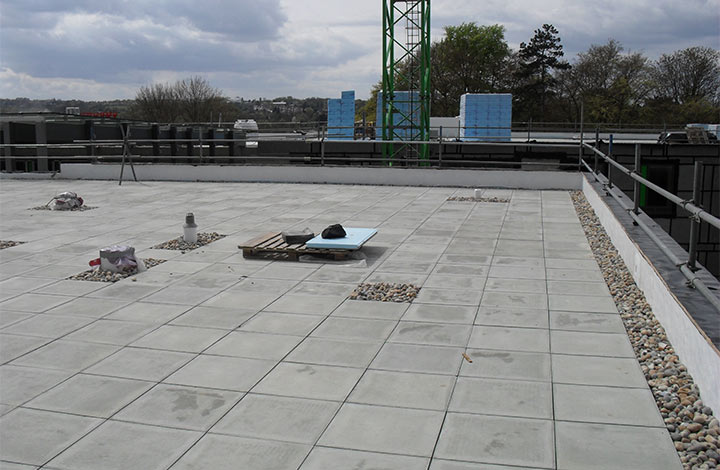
(272, 246)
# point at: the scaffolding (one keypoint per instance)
(405, 103)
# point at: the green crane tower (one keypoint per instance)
(405, 105)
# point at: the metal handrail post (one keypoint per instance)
(610, 149)
(440, 145)
(694, 219)
(322, 147)
(582, 135)
(636, 183)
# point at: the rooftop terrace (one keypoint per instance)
(211, 360)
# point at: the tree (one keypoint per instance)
(537, 60)
(612, 85)
(157, 102)
(190, 100)
(469, 59)
(692, 74)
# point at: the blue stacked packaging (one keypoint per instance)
(341, 116)
(401, 117)
(485, 116)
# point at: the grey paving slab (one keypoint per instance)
(179, 406)
(381, 429)
(578, 288)
(514, 300)
(115, 446)
(14, 346)
(517, 272)
(354, 328)
(182, 295)
(582, 446)
(179, 338)
(402, 389)
(589, 370)
(510, 339)
(507, 365)
(322, 458)
(20, 384)
(335, 352)
(278, 418)
(498, 440)
(371, 310)
(591, 344)
(254, 345)
(582, 303)
(34, 437)
(66, 355)
(516, 317)
(123, 290)
(230, 452)
(518, 261)
(90, 395)
(146, 312)
(435, 295)
(8, 318)
(440, 313)
(142, 364)
(566, 274)
(282, 323)
(503, 397)
(590, 322)
(610, 405)
(418, 358)
(87, 307)
(111, 332)
(309, 381)
(307, 304)
(431, 334)
(531, 286)
(208, 317)
(438, 464)
(452, 281)
(227, 373)
(34, 303)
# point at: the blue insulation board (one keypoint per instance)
(485, 116)
(341, 116)
(354, 239)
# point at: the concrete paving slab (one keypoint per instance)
(418, 358)
(582, 303)
(335, 352)
(436, 334)
(438, 464)
(226, 373)
(34, 437)
(582, 446)
(254, 345)
(282, 323)
(589, 370)
(66, 355)
(507, 365)
(322, 458)
(499, 440)
(514, 317)
(115, 446)
(209, 317)
(591, 344)
(354, 329)
(590, 322)
(371, 310)
(286, 419)
(20, 384)
(229, 452)
(503, 397)
(383, 429)
(509, 339)
(141, 364)
(90, 395)
(440, 313)
(179, 338)
(146, 312)
(402, 389)
(120, 333)
(179, 406)
(309, 381)
(14, 346)
(609, 405)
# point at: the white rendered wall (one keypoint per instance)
(333, 175)
(692, 346)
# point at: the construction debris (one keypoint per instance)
(203, 239)
(98, 275)
(9, 244)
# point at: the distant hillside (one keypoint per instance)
(282, 109)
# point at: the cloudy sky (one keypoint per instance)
(93, 49)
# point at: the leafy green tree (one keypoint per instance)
(469, 59)
(689, 75)
(538, 59)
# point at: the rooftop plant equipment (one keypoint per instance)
(406, 67)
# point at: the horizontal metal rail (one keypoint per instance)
(685, 204)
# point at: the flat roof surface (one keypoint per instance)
(210, 360)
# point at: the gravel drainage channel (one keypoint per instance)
(692, 426)
(204, 238)
(385, 292)
(9, 244)
(108, 276)
(477, 199)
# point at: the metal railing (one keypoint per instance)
(698, 215)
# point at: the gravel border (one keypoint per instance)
(692, 426)
(74, 209)
(385, 292)
(96, 275)
(204, 238)
(9, 244)
(477, 199)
